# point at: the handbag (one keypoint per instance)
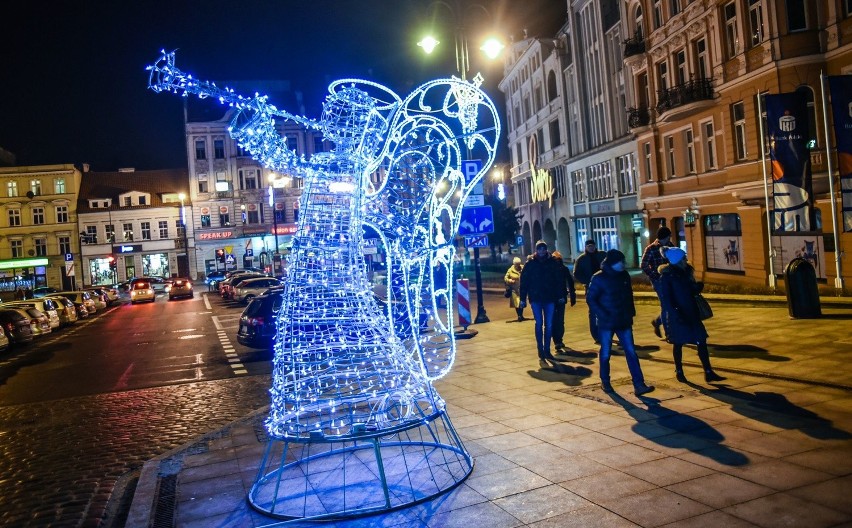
(508, 293)
(704, 310)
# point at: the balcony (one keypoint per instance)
(634, 46)
(638, 117)
(689, 92)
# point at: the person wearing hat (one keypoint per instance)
(677, 290)
(586, 265)
(543, 282)
(610, 297)
(513, 285)
(559, 309)
(652, 259)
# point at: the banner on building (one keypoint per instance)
(840, 87)
(787, 120)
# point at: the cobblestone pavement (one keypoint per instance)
(60, 460)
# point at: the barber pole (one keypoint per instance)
(463, 299)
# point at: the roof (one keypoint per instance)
(110, 185)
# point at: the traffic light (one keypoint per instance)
(112, 263)
(220, 255)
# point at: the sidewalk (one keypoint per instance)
(552, 449)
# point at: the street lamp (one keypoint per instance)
(492, 48)
(182, 197)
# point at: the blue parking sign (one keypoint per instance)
(470, 168)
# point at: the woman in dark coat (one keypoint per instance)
(610, 298)
(678, 289)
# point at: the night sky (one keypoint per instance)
(74, 85)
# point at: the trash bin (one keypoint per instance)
(802, 290)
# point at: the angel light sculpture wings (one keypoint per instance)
(356, 426)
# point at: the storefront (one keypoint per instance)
(23, 273)
(101, 271)
(156, 265)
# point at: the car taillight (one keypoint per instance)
(10, 327)
(256, 321)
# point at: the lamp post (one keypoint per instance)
(182, 197)
(492, 48)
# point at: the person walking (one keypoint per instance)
(652, 259)
(513, 281)
(587, 264)
(610, 297)
(677, 289)
(559, 310)
(543, 282)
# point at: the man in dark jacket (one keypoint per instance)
(652, 259)
(586, 265)
(610, 298)
(543, 281)
(559, 309)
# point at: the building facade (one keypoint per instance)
(699, 74)
(39, 226)
(131, 224)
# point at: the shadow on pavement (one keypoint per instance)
(742, 351)
(561, 373)
(689, 433)
(775, 409)
(21, 356)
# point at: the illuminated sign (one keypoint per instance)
(542, 183)
(285, 229)
(127, 248)
(214, 235)
(23, 263)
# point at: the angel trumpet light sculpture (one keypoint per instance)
(355, 424)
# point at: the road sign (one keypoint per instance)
(474, 200)
(470, 168)
(69, 257)
(69, 269)
(229, 259)
(476, 241)
(519, 240)
(249, 252)
(476, 221)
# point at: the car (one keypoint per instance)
(16, 326)
(158, 284)
(109, 292)
(39, 323)
(5, 343)
(141, 290)
(45, 305)
(99, 297)
(226, 287)
(43, 291)
(213, 278)
(65, 309)
(246, 290)
(81, 298)
(258, 322)
(181, 288)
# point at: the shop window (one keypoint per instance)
(581, 224)
(723, 242)
(605, 232)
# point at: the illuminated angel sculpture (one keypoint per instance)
(356, 424)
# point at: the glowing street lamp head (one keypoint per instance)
(492, 48)
(428, 43)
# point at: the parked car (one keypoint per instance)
(226, 287)
(141, 290)
(246, 290)
(258, 321)
(99, 297)
(5, 343)
(81, 298)
(180, 288)
(65, 309)
(213, 278)
(39, 323)
(43, 291)
(45, 305)
(16, 326)
(110, 292)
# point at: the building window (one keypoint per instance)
(626, 169)
(110, 233)
(14, 217)
(582, 226)
(180, 228)
(723, 242)
(59, 186)
(40, 247)
(600, 181)
(658, 14)
(555, 137)
(202, 186)
(248, 179)
(127, 201)
(519, 157)
(755, 20)
(143, 200)
(702, 61)
(253, 215)
(605, 232)
(12, 188)
(91, 234)
(663, 75)
(64, 245)
(224, 219)
(17, 248)
(128, 232)
(61, 214)
(732, 41)
(670, 156)
(219, 148)
(293, 143)
(649, 171)
(516, 111)
(682, 73)
(38, 215)
(527, 108)
(205, 220)
(738, 117)
(35, 187)
(319, 146)
(688, 138)
(797, 15)
(552, 94)
(848, 6)
(709, 145)
(200, 149)
(578, 186)
(146, 230)
(674, 6)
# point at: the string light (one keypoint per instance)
(346, 365)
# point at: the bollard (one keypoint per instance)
(802, 290)
(463, 300)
